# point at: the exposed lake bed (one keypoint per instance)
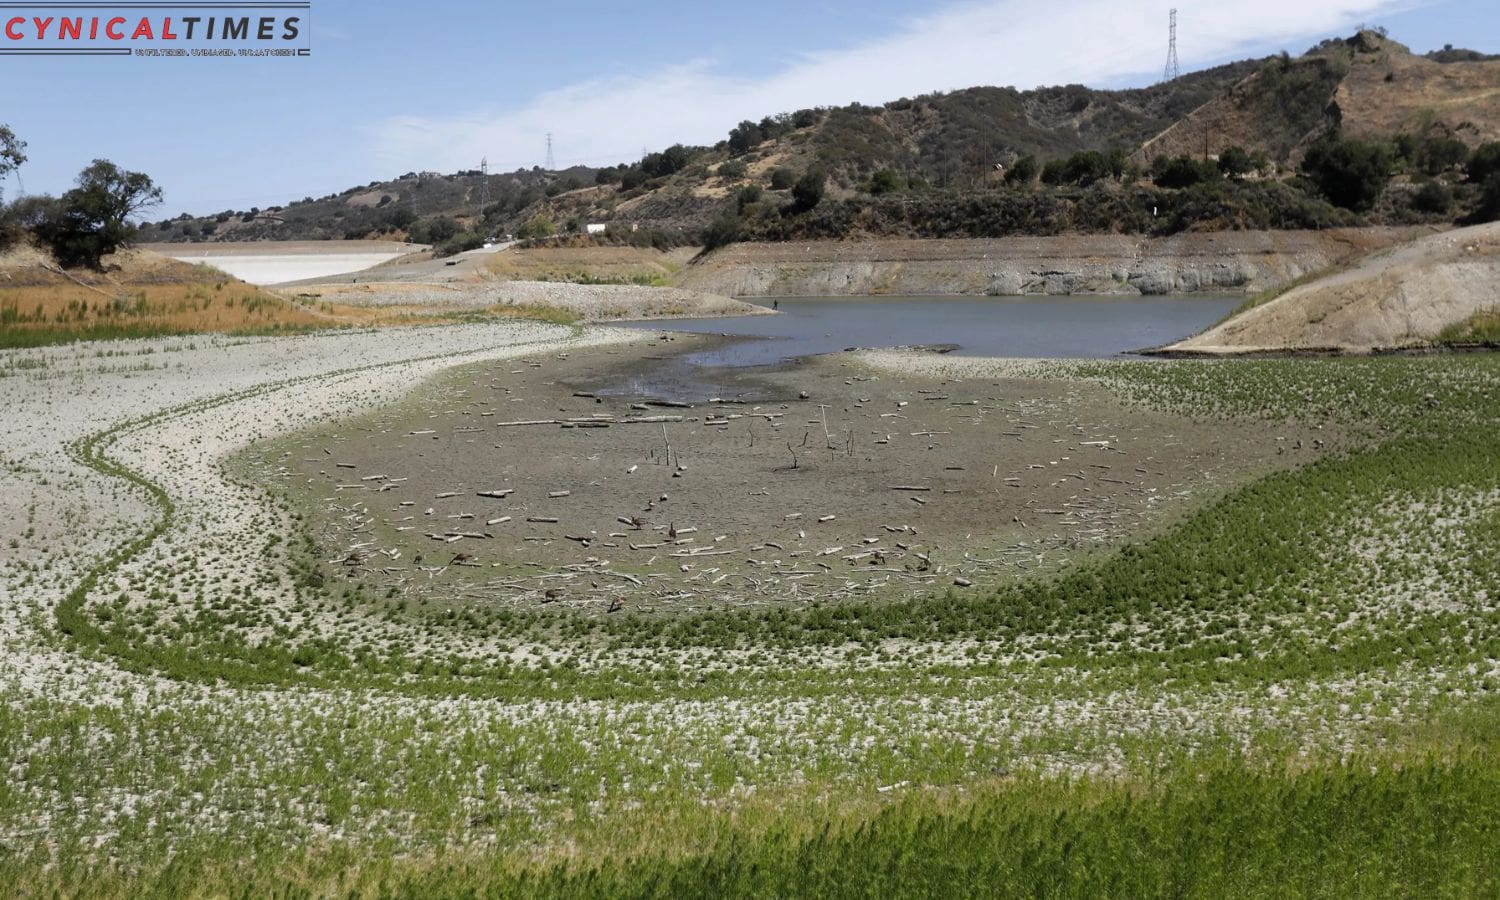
(639, 478)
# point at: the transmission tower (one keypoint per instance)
(551, 159)
(484, 185)
(1172, 70)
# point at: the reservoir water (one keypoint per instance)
(1033, 327)
(1030, 327)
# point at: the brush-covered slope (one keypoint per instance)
(1368, 86)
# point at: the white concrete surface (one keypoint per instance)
(281, 268)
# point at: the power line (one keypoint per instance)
(1173, 69)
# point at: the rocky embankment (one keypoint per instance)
(1401, 298)
(589, 302)
(1219, 262)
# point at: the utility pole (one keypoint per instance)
(1173, 69)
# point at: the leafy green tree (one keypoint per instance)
(93, 219)
(12, 154)
(1442, 154)
(1235, 162)
(745, 137)
(1178, 172)
(724, 231)
(1484, 162)
(632, 178)
(782, 179)
(805, 118)
(1351, 173)
(732, 169)
(746, 196)
(539, 227)
(1489, 201)
(1432, 197)
(1086, 167)
(1055, 172)
(1024, 172)
(809, 190)
(668, 162)
(885, 182)
(402, 219)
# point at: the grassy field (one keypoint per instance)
(644, 267)
(143, 296)
(1291, 691)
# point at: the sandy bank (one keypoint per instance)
(590, 302)
(1400, 298)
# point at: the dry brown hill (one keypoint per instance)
(1367, 86)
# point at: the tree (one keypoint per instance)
(1235, 162)
(1055, 171)
(885, 182)
(401, 219)
(668, 162)
(12, 153)
(1441, 154)
(632, 178)
(745, 137)
(809, 190)
(1432, 197)
(724, 231)
(1180, 172)
(93, 218)
(539, 227)
(1024, 172)
(434, 231)
(1489, 201)
(1351, 173)
(782, 179)
(746, 196)
(1484, 162)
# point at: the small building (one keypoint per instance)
(596, 228)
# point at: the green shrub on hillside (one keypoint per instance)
(1349, 172)
(1024, 172)
(1181, 171)
(1484, 162)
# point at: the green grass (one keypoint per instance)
(1226, 666)
(48, 336)
(1482, 328)
(1267, 551)
(1424, 829)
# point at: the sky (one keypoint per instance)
(392, 88)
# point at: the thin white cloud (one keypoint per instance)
(1009, 42)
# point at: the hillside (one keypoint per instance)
(1437, 289)
(137, 293)
(1368, 87)
(937, 165)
